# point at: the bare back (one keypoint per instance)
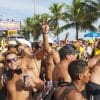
(52, 59)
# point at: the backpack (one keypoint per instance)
(50, 94)
(67, 90)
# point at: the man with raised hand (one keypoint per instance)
(51, 58)
(67, 54)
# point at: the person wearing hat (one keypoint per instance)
(97, 49)
(91, 41)
(24, 47)
(67, 54)
(90, 48)
(12, 46)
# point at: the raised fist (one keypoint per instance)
(45, 28)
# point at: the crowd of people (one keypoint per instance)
(67, 70)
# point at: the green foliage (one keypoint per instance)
(56, 15)
(27, 27)
(80, 15)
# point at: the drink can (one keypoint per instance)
(25, 76)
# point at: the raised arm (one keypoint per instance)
(46, 47)
(45, 28)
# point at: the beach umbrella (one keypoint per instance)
(92, 34)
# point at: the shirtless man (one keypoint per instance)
(80, 74)
(67, 55)
(93, 61)
(51, 56)
(17, 89)
(93, 87)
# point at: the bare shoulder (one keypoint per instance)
(94, 61)
(55, 56)
(53, 52)
(74, 95)
(1, 65)
(95, 73)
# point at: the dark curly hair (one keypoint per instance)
(67, 50)
(76, 67)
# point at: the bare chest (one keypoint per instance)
(15, 84)
(49, 60)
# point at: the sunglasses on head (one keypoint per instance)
(12, 59)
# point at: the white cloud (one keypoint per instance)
(16, 4)
(25, 6)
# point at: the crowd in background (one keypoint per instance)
(50, 70)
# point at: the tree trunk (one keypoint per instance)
(76, 31)
(57, 30)
(27, 36)
(57, 37)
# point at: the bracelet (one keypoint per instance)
(45, 34)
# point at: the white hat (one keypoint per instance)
(12, 43)
(24, 42)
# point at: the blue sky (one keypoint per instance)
(20, 9)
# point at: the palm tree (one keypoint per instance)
(33, 25)
(98, 7)
(37, 26)
(99, 28)
(56, 16)
(80, 15)
(27, 27)
(99, 15)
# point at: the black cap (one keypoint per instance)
(67, 50)
(70, 49)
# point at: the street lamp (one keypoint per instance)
(34, 7)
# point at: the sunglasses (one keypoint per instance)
(12, 59)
